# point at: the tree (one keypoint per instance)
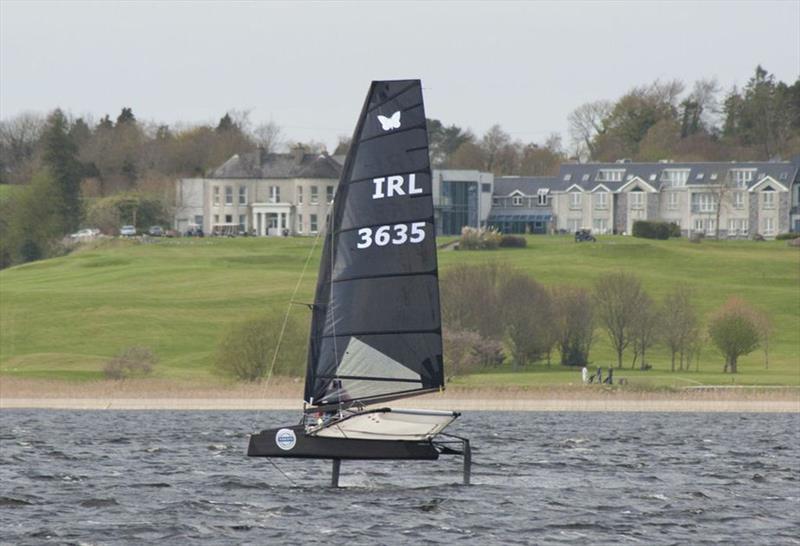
(573, 323)
(249, 348)
(126, 116)
(34, 222)
(61, 158)
(526, 316)
(734, 330)
(19, 140)
(618, 297)
(586, 123)
(470, 299)
(444, 141)
(343, 145)
(644, 330)
(679, 323)
(268, 136)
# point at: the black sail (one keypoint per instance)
(376, 327)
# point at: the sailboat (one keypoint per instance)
(376, 325)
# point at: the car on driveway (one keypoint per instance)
(155, 231)
(84, 234)
(127, 231)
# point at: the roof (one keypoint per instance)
(258, 164)
(702, 173)
(528, 185)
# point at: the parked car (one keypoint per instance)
(127, 231)
(583, 235)
(155, 231)
(85, 234)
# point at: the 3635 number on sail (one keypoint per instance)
(395, 234)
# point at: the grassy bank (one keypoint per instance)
(63, 318)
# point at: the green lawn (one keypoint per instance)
(63, 318)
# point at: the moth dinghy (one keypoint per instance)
(376, 327)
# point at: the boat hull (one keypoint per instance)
(293, 442)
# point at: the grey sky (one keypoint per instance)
(307, 65)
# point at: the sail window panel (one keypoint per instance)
(404, 93)
(390, 259)
(389, 304)
(406, 119)
(397, 152)
(360, 209)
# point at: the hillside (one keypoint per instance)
(63, 318)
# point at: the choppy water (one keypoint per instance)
(120, 477)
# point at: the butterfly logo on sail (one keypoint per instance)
(392, 122)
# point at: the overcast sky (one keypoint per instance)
(307, 65)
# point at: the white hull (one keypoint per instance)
(387, 424)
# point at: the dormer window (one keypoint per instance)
(675, 178)
(653, 177)
(542, 196)
(699, 176)
(742, 177)
(713, 176)
(516, 200)
(568, 177)
(609, 175)
(585, 177)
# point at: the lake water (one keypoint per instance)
(119, 477)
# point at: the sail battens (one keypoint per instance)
(376, 325)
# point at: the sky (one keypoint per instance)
(307, 65)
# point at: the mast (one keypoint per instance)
(376, 325)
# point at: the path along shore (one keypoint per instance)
(155, 394)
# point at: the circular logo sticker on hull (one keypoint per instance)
(285, 439)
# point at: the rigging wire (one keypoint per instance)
(285, 475)
(289, 309)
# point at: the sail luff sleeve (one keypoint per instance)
(379, 279)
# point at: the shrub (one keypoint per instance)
(467, 351)
(787, 236)
(247, 349)
(573, 323)
(479, 239)
(655, 230)
(513, 241)
(130, 362)
(470, 298)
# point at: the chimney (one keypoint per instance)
(298, 152)
(262, 155)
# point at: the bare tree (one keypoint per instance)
(268, 136)
(734, 329)
(645, 330)
(586, 122)
(618, 297)
(573, 323)
(19, 137)
(679, 323)
(526, 313)
(470, 299)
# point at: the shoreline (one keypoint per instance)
(283, 394)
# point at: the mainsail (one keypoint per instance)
(376, 327)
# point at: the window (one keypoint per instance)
(517, 200)
(742, 177)
(329, 194)
(216, 218)
(703, 202)
(744, 226)
(653, 177)
(542, 197)
(299, 195)
(242, 222)
(229, 218)
(486, 188)
(713, 176)
(601, 200)
(700, 176)
(242, 195)
(274, 194)
(495, 200)
(299, 223)
(732, 224)
(699, 224)
(229, 195)
(573, 224)
(198, 220)
(711, 226)
(600, 225)
(568, 177)
(575, 200)
(609, 175)
(674, 178)
(768, 199)
(784, 175)
(637, 199)
(672, 200)
(585, 177)
(314, 197)
(216, 195)
(769, 226)
(313, 219)
(738, 199)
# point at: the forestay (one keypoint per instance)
(376, 329)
